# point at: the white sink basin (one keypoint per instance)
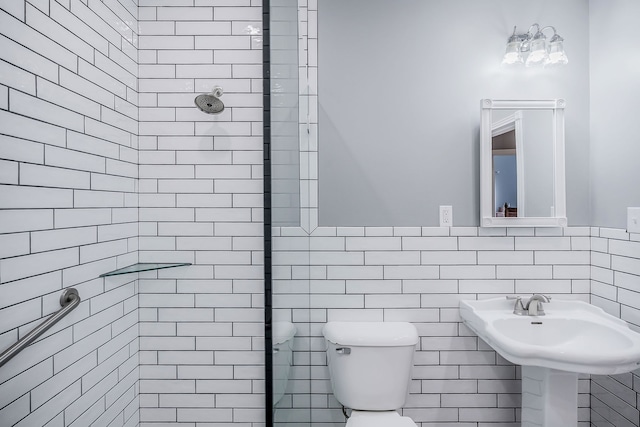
(573, 336)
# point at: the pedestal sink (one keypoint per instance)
(572, 337)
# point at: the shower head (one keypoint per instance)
(210, 102)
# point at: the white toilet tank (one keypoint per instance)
(370, 363)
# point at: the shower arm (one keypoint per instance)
(217, 91)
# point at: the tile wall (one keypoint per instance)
(68, 183)
(615, 286)
(419, 275)
(201, 327)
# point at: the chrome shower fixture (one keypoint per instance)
(210, 102)
(533, 45)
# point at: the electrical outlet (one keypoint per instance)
(633, 220)
(446, 216)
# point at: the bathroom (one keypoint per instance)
(106, 162)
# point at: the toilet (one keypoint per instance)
(370, 370)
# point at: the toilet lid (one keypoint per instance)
(379, 419)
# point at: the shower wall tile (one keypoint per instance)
(69, 210)
(200, 198)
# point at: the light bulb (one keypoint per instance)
(538, 54)
(512, 55)
(557, 56)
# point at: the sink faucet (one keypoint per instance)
(529, 309)
(534, 306)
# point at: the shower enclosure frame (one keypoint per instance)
(266, 123)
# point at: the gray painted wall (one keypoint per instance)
(418, 70)
(615, 109)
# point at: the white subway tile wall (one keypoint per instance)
(201, 327)
(420, 275)
(68, 200)
(615, 287)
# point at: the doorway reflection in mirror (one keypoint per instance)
(507, 164)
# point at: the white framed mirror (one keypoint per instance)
(522, 165)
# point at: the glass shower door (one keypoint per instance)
(289, 278)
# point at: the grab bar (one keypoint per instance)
(68, 300)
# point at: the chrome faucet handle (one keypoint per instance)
(518, 308)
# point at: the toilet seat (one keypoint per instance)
(378, 419)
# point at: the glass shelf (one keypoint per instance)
(143, 266)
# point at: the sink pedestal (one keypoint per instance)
(549, 397)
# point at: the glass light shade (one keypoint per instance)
(538, 53)
(512, 55)
(557, 56)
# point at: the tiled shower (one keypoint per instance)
(106, 162)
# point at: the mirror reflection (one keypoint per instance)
(522, 163)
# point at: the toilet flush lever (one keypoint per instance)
(343, 350)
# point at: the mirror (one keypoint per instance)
(522, 181)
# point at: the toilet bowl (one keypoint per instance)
(370, 370)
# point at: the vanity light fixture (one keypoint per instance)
(534, 46)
